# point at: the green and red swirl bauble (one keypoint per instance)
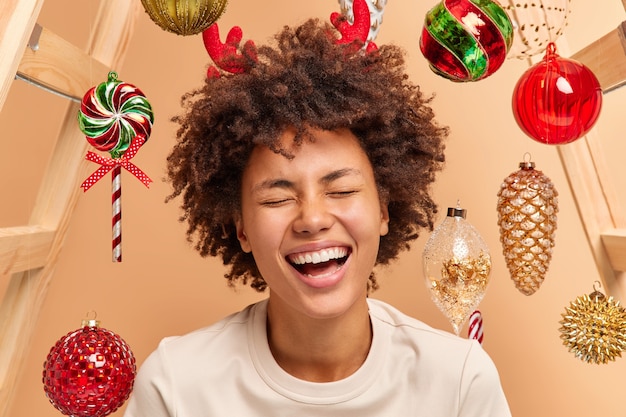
(117, 118)
(113, 113)
(466, 40)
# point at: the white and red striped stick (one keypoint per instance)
(115, 165)
(116, 200)
(475, 330)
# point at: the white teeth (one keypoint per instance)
(317, 257)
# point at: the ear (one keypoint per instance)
(384, 218)
(241, 235)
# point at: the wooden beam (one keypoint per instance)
(24, 248)
(595, 203)
(606, 57)
(17, 19)
(53, 208)
(615, 244)
(588, 176)
(60, 66)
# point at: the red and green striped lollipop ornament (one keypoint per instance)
(115, 117)
(466, 40)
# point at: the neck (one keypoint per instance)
(320, 350)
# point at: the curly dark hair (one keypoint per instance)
(305, 80)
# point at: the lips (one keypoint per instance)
(319, 263)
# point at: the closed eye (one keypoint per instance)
(276, 203)
(345, 193)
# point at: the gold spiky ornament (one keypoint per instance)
(527, 208)
(594, 328)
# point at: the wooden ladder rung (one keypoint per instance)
(24, 247)
(55, 64)
(614, 241)
(606, 57)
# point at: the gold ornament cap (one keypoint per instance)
(457, 212)
(90, 322)
(597, 296)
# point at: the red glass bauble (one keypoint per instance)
(557, 100)
(89, 372)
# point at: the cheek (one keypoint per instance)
(366, 215)
(365, 225)
(264, 231)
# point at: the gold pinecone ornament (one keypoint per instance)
(527, 208)
(594, 328)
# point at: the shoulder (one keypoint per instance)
(231, 329)
(398, 321)
(449, 363)
(169, 376)
(207, 345)
(432, 347)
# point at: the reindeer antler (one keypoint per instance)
(227, 55)
(357, 30)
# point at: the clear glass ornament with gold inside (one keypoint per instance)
(456, 264)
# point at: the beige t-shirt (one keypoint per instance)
(227, 370)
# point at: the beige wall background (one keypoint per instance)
(163, 287)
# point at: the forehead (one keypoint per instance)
(322, 151)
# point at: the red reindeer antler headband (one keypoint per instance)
(230, 57)
(227, 55)
(358, 30)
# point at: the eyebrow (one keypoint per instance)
(334, 175)
(286, 184)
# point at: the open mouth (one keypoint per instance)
(319, 263)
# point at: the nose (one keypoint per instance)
(313, 217)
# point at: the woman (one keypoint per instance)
(303, 173)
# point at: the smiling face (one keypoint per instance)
(313, 223)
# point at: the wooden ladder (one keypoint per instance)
(28, 253)
(603, 219)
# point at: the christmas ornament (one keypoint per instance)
(527, 208)
(466, 40)
(475, 330)
(357, 28)
(227, 55)
(184, 17)
(116, 117)
(594, 328)
(557, 100)
(230, 56)
(89, 372)
(456, 266)
(112, 114)
(376, 9)
(536, 24)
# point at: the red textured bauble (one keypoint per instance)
(557, 100)
(89, 372)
